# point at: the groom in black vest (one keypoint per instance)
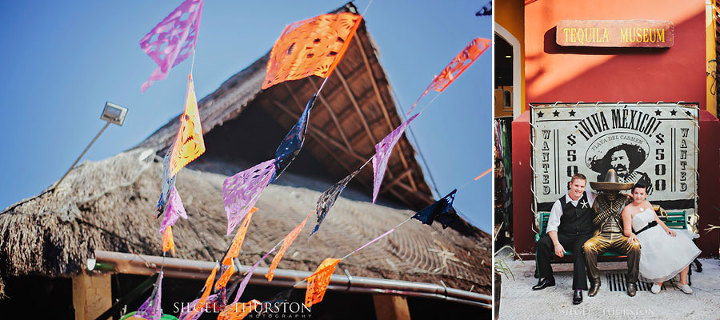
(570, 224)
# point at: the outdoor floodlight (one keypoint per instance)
(114, 113)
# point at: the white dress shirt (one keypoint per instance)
(556, 212)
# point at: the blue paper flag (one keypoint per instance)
(441, 211)
(292, 143)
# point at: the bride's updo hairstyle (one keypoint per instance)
(638, 185)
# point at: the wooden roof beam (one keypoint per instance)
(356, 106)
(332, 114)
(319, 133)
(383, 107)
(397, 179)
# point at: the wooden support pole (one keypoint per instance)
(391, 307)
(92, 295)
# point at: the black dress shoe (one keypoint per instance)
(577, 297)
(544, 283)
(631, 289)
(594, 287)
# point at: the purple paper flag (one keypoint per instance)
(174, 210)
(188, 310)
(152, 308)
(383, 150)
(249, 274)
(241, 191)
(172, 40)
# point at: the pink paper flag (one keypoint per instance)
(195, 309)
(383, 150)
(173, 39)
(173, 211)
(241, 191)
(249, 274)
(151, 309)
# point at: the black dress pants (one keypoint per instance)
(546, 251)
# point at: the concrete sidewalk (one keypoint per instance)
(518, 301)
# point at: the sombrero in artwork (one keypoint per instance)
(611, 183)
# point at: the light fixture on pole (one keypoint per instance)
(112, 113)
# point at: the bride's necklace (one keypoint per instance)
(642, 209)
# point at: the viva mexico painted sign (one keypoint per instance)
(655, 144)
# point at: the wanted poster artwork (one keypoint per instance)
(654, 144)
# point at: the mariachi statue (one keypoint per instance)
(608, 208)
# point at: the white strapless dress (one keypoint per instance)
(662, 256)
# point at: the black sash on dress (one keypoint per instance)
(648, 226)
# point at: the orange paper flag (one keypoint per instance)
(318, 282)
(234, 250)
(167, 241)
(238, 311)
(225, 277)
(285, 245)
(189, 143)
(203, 298)
(310, 47)
(461, 62)
(456, 66)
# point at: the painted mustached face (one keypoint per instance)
(620, 162)
(577, 187)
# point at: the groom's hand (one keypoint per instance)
(559, 250)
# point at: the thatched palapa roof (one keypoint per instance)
(109, 205)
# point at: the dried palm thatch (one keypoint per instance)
(108, 205)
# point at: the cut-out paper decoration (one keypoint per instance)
(236, 245)
(241, 191)
(189, 143)
(195, 309)
(173, 211)
(238, 311)
(204, 298)
(225, 277)
(249, 274)
(168, 183)
(290, 146)
(318, 282)
(441, 211)
(168, 243)
(172, 40)
(287, 241)
(383, 150)
(151, 309)
(457, 65)
(310, 47)
(327, 199)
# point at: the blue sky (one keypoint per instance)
(63, 59)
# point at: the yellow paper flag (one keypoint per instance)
(317, 283)
(189, 143)
(285, 245)
(236, 245)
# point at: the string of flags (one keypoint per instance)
(310, 47)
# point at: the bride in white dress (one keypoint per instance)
(663, 254)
